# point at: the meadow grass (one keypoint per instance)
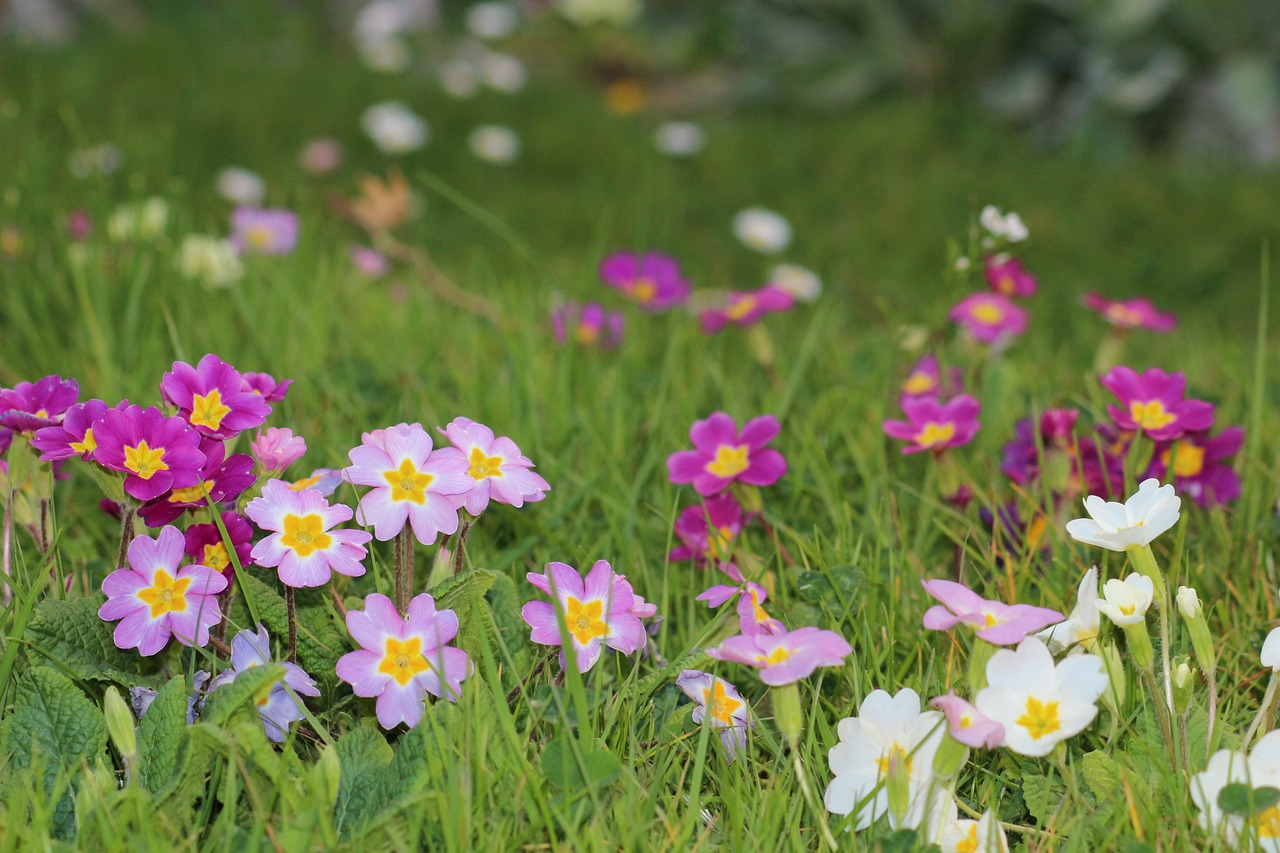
(873, 197)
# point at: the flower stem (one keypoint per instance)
(458, 554)
(292, 610)
(1264, 711)
(6, 548)
(403, 559)
(126, 534)
(1211, 679)
(1162, 712)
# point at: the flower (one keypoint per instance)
(1260, 769)
(492, 19)
(157, 453)
(494, 144)
(596, 612)
(720, 700)
(983, 835)
(212, 398)
(74, 435)
(1152, 510)
(320, 157)
(707, 531)
(497, 468)
(270, 231)
(402, 659)
(503, 72)
(240, 186)
(752, 617)
(1152, 402)
(221, 480)
(27, 406)
(142, 697)
(370, 262)
(1188, 603)
(802, 284)
(394, 128)
(990, 318)
(993, 621)
(1002, 226)
(278, 709)
(925, 380)
(302, 545)
(153, 598)
(744, 307)
(265, 386)
(1006, 276)
(205, 545)
(1083, 623)
(1125, 602)
(786, 657)
(589, 325)
(1271, 650)
(1130, 313)
(652, 280)
(967, 724)
(762, 230)
(1197, 462)
(722, 455)
(411, 484)
(1039, 703)
(212, 261)
(935, 426)
(889, 731)
(145, 220)
(322, 480)
(679, 138)
(277, 449)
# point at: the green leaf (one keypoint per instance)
(1240, 800)
(248, 687)
(71, 635)
(510, 629)
(52, 728)
(598, 769)
(363, 755)
(163, 736)
(320, 641)
(1102, 773)
(837, 585)
(1042, 796)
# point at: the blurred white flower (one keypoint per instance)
(240, 186)
(492, 19)
(1007, 226)
(503, 72)
(144, 221)
(586, 13)
(386, 56)
(495, 144)
(762, 230)
(460, 78)
(212, 261)
(101, 159)
(383, 19)
(803, 284)
(394, 128)
(679, 138)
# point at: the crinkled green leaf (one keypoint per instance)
(363, 755)
(599, 766)
(1241, 800)
(835, 586)
(1042, 796)
(71, 635)
(163, 736)
(248, 687)
(1102, 773)
(508, 627)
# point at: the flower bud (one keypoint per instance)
(1193, 614)
(1183, 681)
(949, 758)
(1189, 603)
(276, 449)
(898, 785)
(119, 717)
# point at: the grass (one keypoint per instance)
(873, 197)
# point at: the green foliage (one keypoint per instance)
(242, 693)
(575, 769)
(163, 737)
(1240, 800)
(72, 637)
(320, 641)
(1042, 796)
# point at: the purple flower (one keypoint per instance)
(744, 307)
(1197, 461)
(935, 426)
(157, 453)
(205, 545)
(153, 598)
(497, 468)
(265, 386)
(722, 703)
(589, 325)
(27, 407)
(142, 697)
(271, 231)
(277, 449)
(401, 660)
(969, 725)
(990, 318)
(1006, 276)
(370, 262)
(222, 480)
(997, 623)
(651, 280)
(1130, 313)
(722, 455)
(707, 531)
(1021, 461)
(785, 658)
(752, 617)
(278, 709)
(1153, 403)
(212, 397)
(322, 480)
(597, 612)
(74, 436)
(926, 380)
(302, 543)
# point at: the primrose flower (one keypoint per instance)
(1039, 703)
(720, 700)
(74, 436)
(997, 623)
(301, 545)
(652, 280)
(142, 697)
(494, 144)
(27, 406)
(394, 128)
(277, 449)
(1130, 313)
(211, 261)
(989, 318)
(803, 284)
(597, 612)
(1271, 650)
(1198, 464)
(1260, 769)
(1152, 402)
(211, 397)
(744, 307)
(967, 724)
(707, 531)
(935, 426)
(1006, 276)
(983, 835)
(278, 709)
(589, 325)
(679, 138)
(787, 657)
(1082, 625)
(1125, 602)
(926, 380)
(370, 262)
(497, 468)
(268, 231)
(205, 545)
(723, 455)
(1132, 524)
(241, 186)
(322, 480)
(889, 732)
(157, 453)
(320, 156)
(222, 480)
(411, 484)
(1001, 225)
(153, 598)
(752, 617)
(265, 386)
(402, 659)
(762, 230)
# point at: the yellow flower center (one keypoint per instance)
(1151, 414)
(407, 484)
(86, 445)
(403, 659)
(720, 705)
(484, 466)
(777, 656)
(1006, 285)
(587, 334)
(988, 314)
(718, 540)
(1040, 718)
(644, 290)
(1122, 315)
(757, 611)
(191, 494)
(260, 237)
(969, 844)
(215, 557)
(1188, 459)
(584, 620)
(166, 594)
(305, 483)
(935, 434)
(304, 534)
(730, 461)
(144, 461)
(991, 619)
(741, 307)
(896, 755)
(1267, 822)
(208, 410)
(919, 382)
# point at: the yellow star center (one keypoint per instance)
(166, 594)
(644, 290)
(88, 444)
(484, 466)
(896, 755)
(403, 659)
(191, 494)
(305, 483)
(718, 540)
(1267, 822)
(584, 619)
(587, 334)
(215, 557)
(777, 656)
(144, 461)
(260, 237)
(935, 434)
(730, 460)
(1151, 414)
(757, 611)
(720, 705)
(1122, 315)
(991, 619)
(305, 534)
(969, 844)
(407, 483)
(919, 383)
(988, 314)
(1006, 285)
(741, 307)
(1040, 718)
(208, 410)
(1188, 459)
